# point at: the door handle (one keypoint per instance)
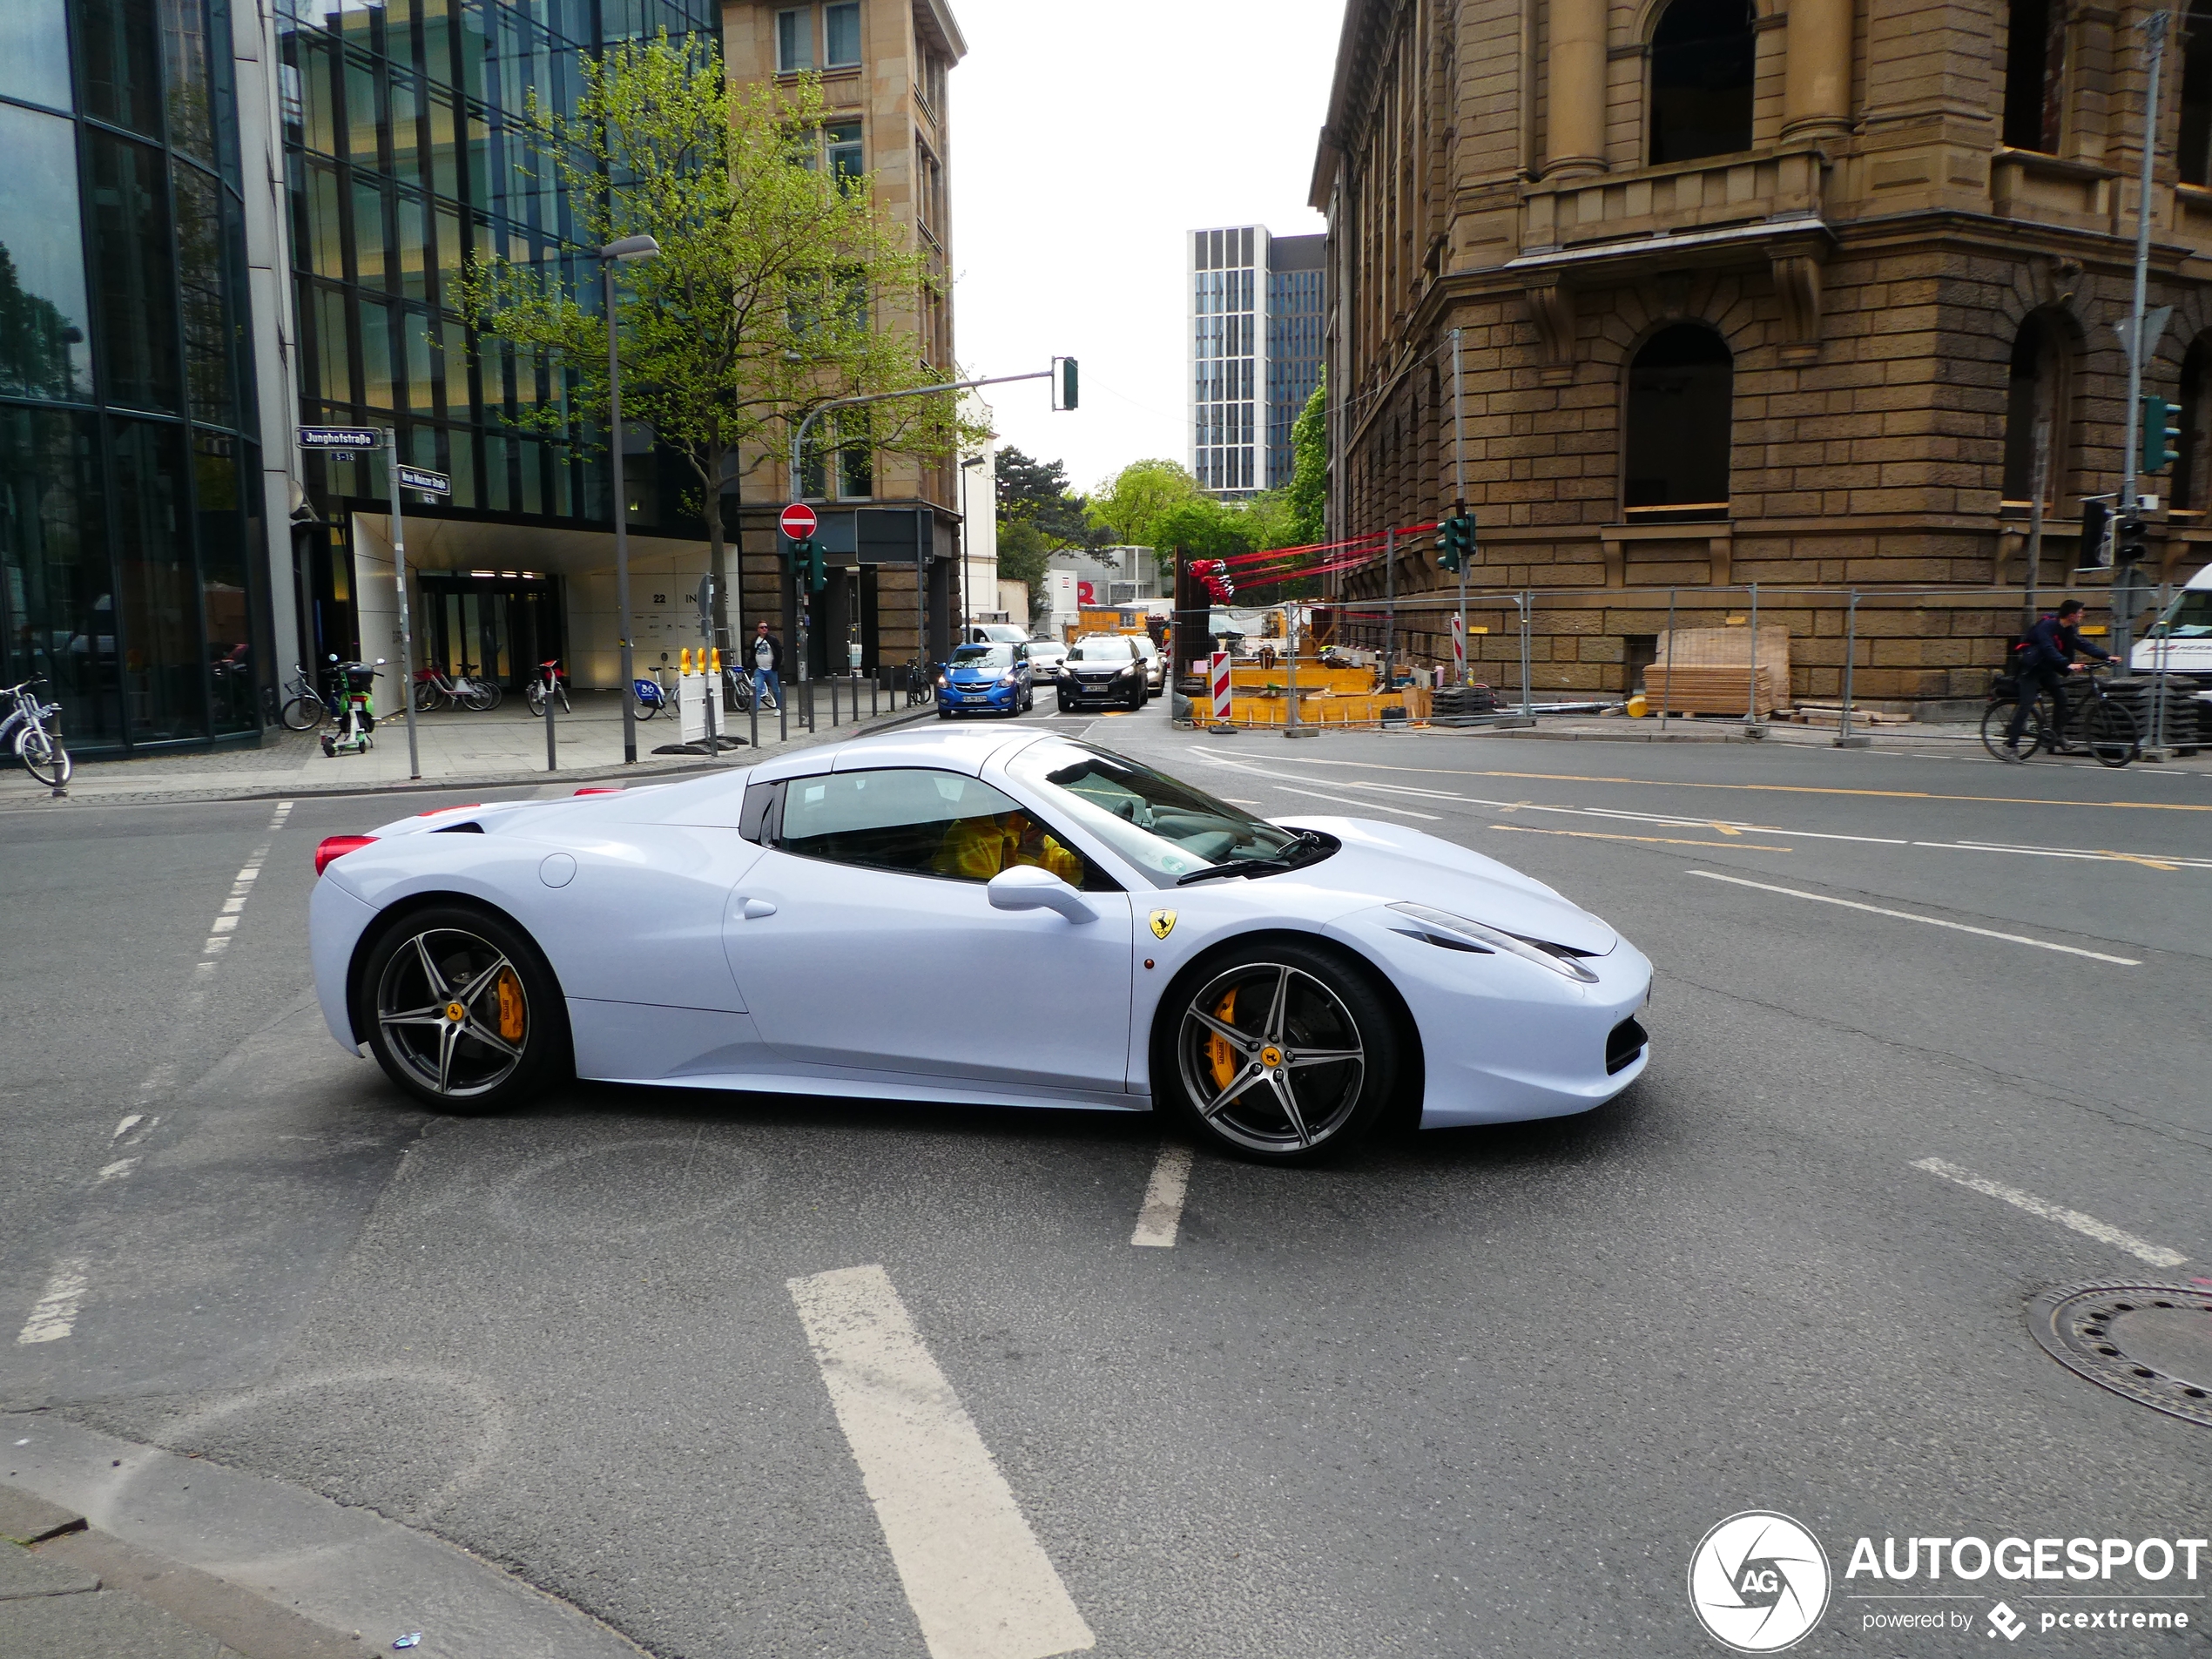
(753, 909)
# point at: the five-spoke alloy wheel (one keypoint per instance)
(1279, 1051)
(460, 1011)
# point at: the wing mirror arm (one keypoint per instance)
(1027, 887)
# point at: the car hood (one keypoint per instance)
(1389, 863)
(967, 673)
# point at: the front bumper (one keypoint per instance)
(993, 697)
(1076, 689)
(1504, 1040)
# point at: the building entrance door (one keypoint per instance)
(501, 626)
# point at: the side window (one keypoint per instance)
(919, 822)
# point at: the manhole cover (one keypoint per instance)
(2151, 1342)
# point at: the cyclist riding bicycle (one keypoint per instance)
(2041, 663)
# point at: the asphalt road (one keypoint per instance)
(1472, 1392)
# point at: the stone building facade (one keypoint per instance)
(1767, 291)
(891, 527)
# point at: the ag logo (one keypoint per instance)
(1758, 1582)
(1163, 923)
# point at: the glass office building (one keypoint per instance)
(406, 150)
(132, 547)
(1254, 331)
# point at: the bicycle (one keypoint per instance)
(357, 721)
(649, 697)
(431, 686)
(2098, 724)
(304, 709)
(737, 690)
(551, 681)
(921, 683)
(39, 750)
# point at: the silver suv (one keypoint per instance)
(1156, 664)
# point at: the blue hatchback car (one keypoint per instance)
(986, 679)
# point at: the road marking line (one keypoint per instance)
(115, 1171)
(130, 1123)
(283, 811)
(1660, 841)
(1932, 921)
(2154, 860)
(1779, 789)
(2089, 1226)
(56, 1314)
(979, 1584)
(1371, 805)
(1158, 1220)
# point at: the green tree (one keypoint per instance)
(1035, 492)
(777, 288)
(1023, 553)
(1130, 505)
(1307, 494)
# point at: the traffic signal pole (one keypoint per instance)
(1459, 494)
(2123, 615)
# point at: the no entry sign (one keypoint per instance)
(798, 521)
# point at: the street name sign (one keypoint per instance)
(798, 521)
(430, 484)
(341, 437)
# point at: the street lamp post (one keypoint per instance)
(621, 253)
(967, 588)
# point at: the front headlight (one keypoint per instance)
(1007, 678)
(1126, 672)
(943, 682)
(1456, 933)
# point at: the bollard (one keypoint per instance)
(552, 761)
(832, 703)
(752, 714)
(1669, 694)
(1845, 738)
(876, 685)
(810, 707)
(783, 719)
(1751, 699)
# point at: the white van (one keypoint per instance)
(2181, 641)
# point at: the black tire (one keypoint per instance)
(644, 710)
(2109, 732)
(1067, 706)
(44, 757)
(534, 694)
(303, 713)
(1998, 716)
(1253, 1080)
(429, 961)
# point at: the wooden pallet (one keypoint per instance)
(1715, 690)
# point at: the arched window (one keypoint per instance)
(2033, 388)
(1678, 424)
(1701, 80)
(2035, 75)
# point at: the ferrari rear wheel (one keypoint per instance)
(462, 1011)
(1278, 1051)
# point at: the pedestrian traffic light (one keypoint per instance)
(2130, 542)
(1455, 543)
(2161, 434)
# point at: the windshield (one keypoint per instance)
(1165, 827)
(2189, 617)
(983, 657)
(1099, 651)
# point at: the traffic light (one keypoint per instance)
(1063, 382)
(2096, 526)
(816, 579)
(2161, 434)
(2130, 542)
(1455, 543)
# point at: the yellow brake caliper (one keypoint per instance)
(510, 1005)
(1219, 1054)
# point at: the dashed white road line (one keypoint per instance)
(55, 1316)
(2088, 1226)
(1932, 921)
(979, 1584)
(1162, 1216)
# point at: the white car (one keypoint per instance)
(1072, 928)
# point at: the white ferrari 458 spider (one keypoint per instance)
(1010, 918)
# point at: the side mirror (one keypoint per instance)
(1027, 887)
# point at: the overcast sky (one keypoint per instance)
(1086, 140)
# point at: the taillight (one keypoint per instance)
(336, 847)
(600, 790)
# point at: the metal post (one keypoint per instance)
(2042, 470)
(810, 707)
(875, 687)
(552, 760)
(1751, 698)
(783, 716)
(406, 623)
(1460, 495)
(1390, 601)
(2155, 44)
(1528, 702)
(1844, 737)
(709, 678)
(621, 521)
(832, 702)
(2160, 656)
(753, 715)
(1667, 696)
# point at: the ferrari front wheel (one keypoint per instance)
(1278, 1051)
(461, 1010)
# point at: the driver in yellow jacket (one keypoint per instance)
(979, 848)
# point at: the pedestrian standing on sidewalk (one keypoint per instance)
(2045, 657)
(768, 666)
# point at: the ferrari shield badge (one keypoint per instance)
(1163, 923)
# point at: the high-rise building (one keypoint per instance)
(1254, 333)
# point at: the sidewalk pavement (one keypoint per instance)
(461, 748)
(109, 1547)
